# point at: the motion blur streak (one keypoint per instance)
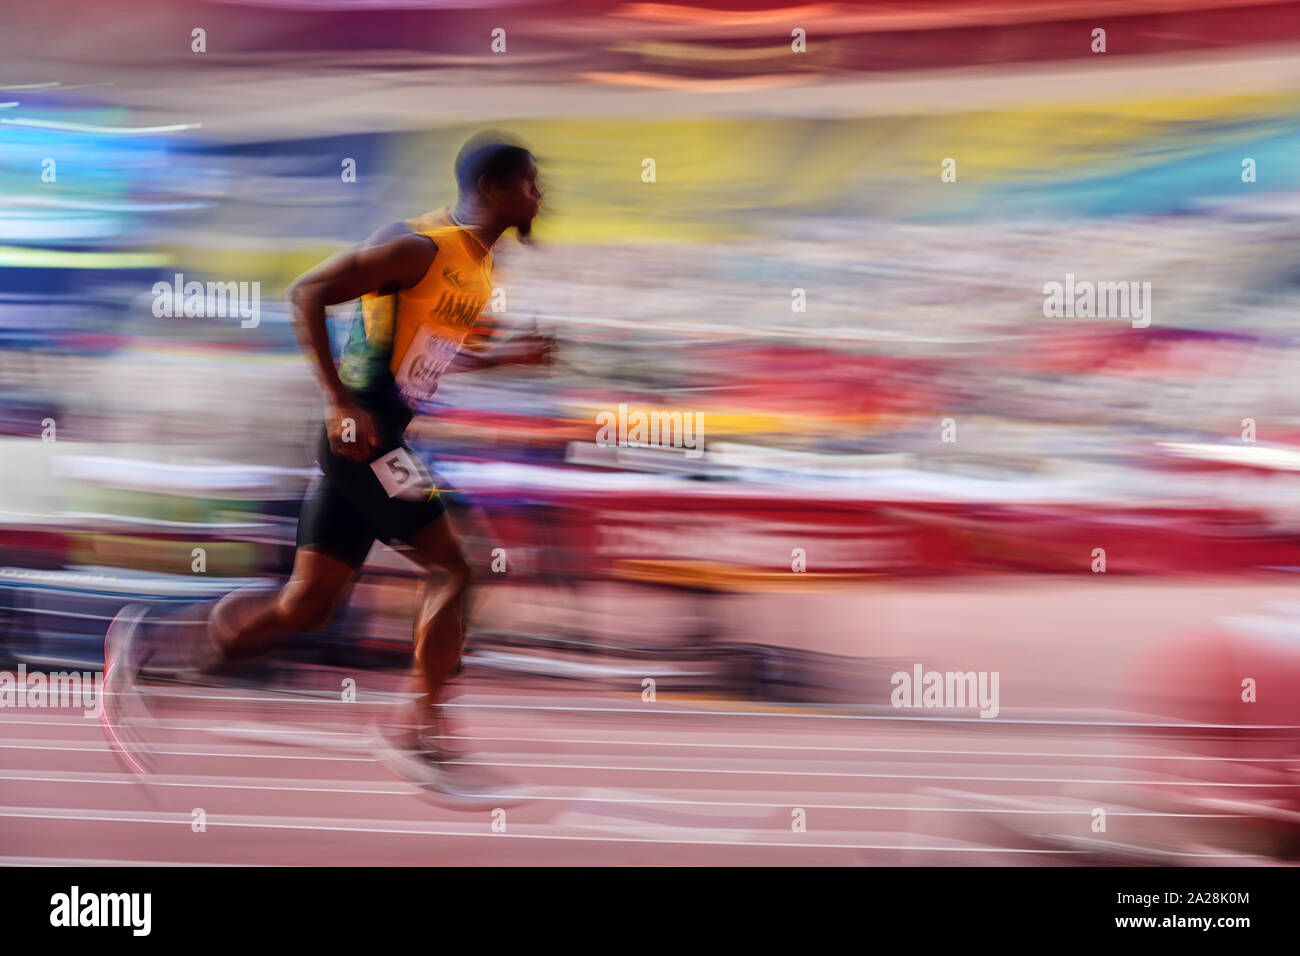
(834, 268)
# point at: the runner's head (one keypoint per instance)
(500, 176)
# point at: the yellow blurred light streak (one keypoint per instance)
(753, 423)
(209, 353)
(21, 257)
(719, 330)
(712, 164)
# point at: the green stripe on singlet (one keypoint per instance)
(364, 365)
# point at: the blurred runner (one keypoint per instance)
(422, 284)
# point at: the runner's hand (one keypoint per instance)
(353, 433)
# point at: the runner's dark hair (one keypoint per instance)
(491, 154)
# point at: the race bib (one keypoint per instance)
(402, 474)
(423, 364)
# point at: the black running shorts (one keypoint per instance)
(347, 508)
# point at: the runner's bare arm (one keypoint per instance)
(471, 358)
(387, 261)
(529, 348)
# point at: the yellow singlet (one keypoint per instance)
(434, 316)
(410, 337)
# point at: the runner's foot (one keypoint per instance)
(408, 730)
(444, 776)
(177, 645)
(124, 714)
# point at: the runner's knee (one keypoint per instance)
(455, 569)
(305, 606)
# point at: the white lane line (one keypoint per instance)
(275, 733)
(60, 861)
(378, 788)
(873, 776)
(866, 750)
(553, 794)
(288, 731)
(666, 709)
(480, 831)
(104, 748)
(704, 837)
(510, 761)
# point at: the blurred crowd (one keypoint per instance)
(851, 303)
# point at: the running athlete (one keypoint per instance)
(422, 284)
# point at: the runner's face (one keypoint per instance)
(521, 201)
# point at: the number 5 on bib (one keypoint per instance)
(402, 474)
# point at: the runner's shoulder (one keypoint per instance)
(404, 232)
(406, 251)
